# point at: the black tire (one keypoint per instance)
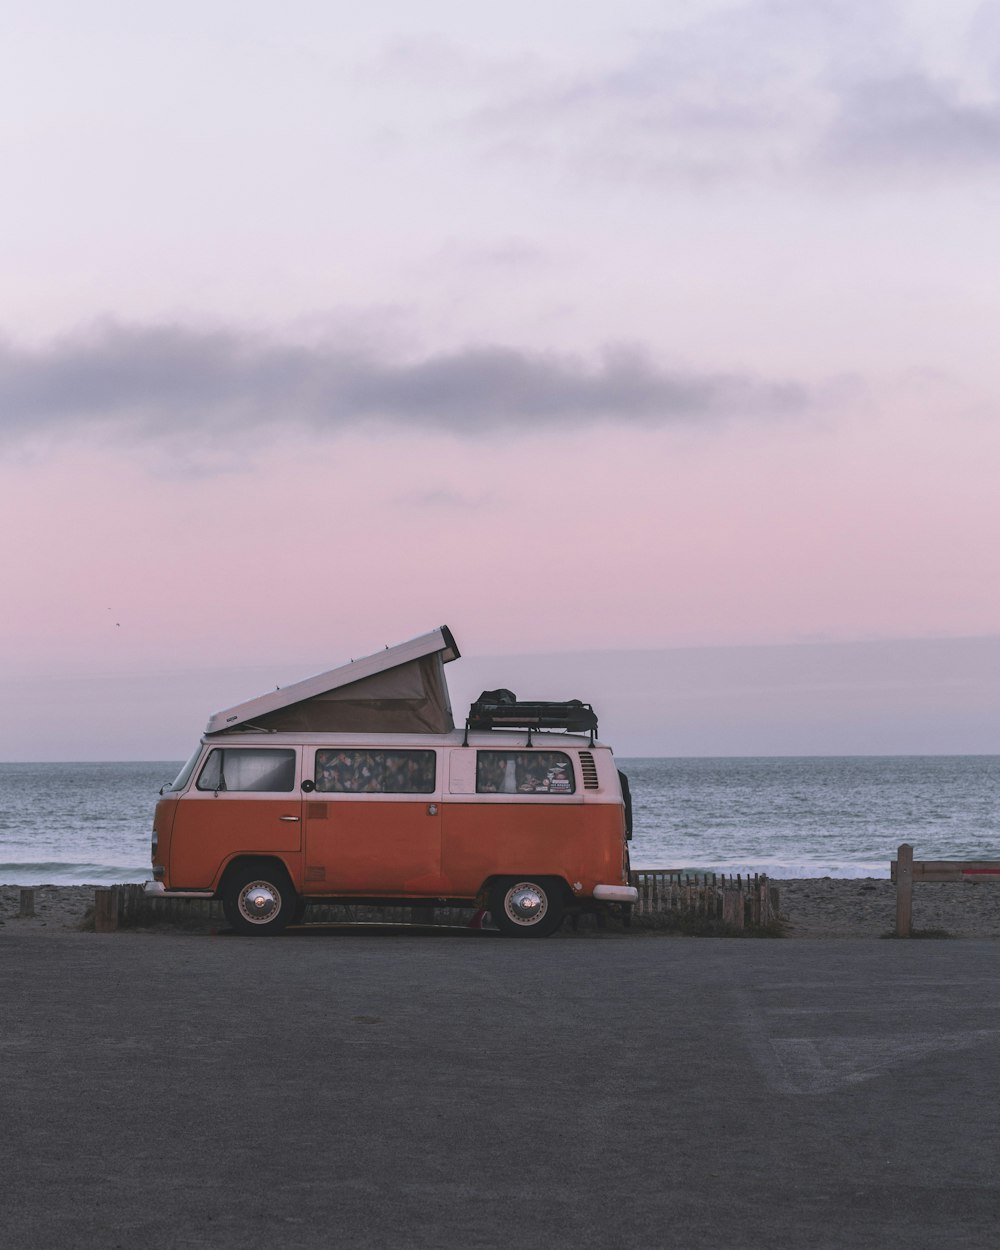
(527, 906)
(258, 899)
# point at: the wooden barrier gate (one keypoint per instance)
(905, 870)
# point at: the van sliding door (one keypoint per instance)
(372, 822)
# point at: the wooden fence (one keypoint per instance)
(737, 901)
(129, 905)
(905, 871)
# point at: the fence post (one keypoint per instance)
(105, 911)
(27, 905)
(904, 890)
(732, 908)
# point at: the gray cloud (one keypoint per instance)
(152, 382)
(442, 499)
(511, 256)
(761, 91)
(913, 121)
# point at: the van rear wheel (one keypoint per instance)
(526, 907)
(259, 900)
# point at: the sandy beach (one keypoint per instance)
(824, 907)
(814, 907)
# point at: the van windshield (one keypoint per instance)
(184, 776)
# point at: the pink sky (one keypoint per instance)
(878, 527)
(599, 329)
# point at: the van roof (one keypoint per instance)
(497, 740)
(400, 688)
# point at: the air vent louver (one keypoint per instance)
(589, 770)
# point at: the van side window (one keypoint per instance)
(524, 772)
(375, 772)
(248, 769)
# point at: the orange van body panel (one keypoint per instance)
(360, 848)
(163, 825)
(581, 844)
(163, 819)
(215, 829)
(364, 847)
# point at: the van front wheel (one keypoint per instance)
(259, 900)
(524, 907)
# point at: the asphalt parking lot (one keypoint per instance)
(416, 1090)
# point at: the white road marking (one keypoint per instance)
(823, 1064)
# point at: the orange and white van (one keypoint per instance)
(355, 786)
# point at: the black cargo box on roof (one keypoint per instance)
(499, 709)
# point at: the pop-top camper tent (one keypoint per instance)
(399, 690)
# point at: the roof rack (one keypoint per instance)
(501, 709)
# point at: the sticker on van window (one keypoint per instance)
(375, 772)
(524, 772)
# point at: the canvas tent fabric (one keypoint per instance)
(402, 689)
(412, 698)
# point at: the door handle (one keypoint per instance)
(288, 818)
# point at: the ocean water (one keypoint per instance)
(72, 824)
(842, 816)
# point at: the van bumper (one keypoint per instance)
(158, 890)
(616, 893)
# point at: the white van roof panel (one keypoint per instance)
(400, 689)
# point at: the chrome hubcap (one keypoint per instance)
(525, 903)
(259, 902)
